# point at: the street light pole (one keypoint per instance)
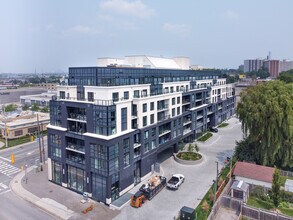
(6, 134)
(40, 149)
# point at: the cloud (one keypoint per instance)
(180, 29)
(124, 7)
(80, 29)
(230, 14)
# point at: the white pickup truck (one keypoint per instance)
(175, 181)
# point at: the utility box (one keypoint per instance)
(186, 213)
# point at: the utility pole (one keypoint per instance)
(40, 149)
(43, 145)
(6, 134)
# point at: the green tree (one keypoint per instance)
(35, 107)
(10, 108)
(45, 109)
(266, 113)
(25, 107)
(286, 76)
(276, 187)
(245, 151)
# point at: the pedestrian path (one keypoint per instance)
(7, 169)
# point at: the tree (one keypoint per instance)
(276, 187)
(35, 107)
(25, 107)
(287, 76)
(45, 109)
(245, 151)
(10, 108)
(266, 113)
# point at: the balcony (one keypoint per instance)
(163, 107)
(161, 133)
(199, 117)
(185, 102)
(164, 117)
(76, 148)
(134, 115)
(186, 131)
(186, 122)
(136, 145)
(77, 117)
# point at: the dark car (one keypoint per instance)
(213, 129)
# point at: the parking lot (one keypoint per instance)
(198, 178)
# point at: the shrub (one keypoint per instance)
(205, 206)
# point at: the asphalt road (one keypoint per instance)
(13, 207)
(198, 178)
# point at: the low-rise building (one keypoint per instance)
(42, 99)
(23, 124)
(254, 174)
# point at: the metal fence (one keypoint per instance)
(260, 214)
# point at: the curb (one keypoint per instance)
(43, 203)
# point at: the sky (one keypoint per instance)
(52, 35)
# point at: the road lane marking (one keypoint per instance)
(5, 191)
(3, 158)
(3, 186)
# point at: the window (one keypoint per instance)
(136, 94)
(62, 95)
(90, 96)
(56, 171)
(76, 178)
(32, 130)
(144, 107)
(152, 118)
(178, 100)
(126, 150)
(153, 144)
(173, 101)
(177, 88)
(144, 121)
(172, 89)
(18, 133)
(152, 106)
(123, 119)
(173, 112)
(146, 147)
(146, 136)
(154, 132)
(178, 110)
(56, 152)
(115, 96)
(126, 95)
(98, 154)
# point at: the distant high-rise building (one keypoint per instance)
(286, 65)
(252, 65)
(273, 67)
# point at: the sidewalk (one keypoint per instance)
(56, 200)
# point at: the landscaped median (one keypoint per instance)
(205, 137)
(223, 125)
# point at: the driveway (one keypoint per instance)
(198, 178)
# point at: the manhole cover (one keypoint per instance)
(50, 191)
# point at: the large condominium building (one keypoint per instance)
(111, 124)
(252, 65)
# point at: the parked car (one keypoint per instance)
(175, 181)
(213, 129)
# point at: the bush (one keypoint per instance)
(223, 125)
(205, 206)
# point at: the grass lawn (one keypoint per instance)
(259, 203)
(18, 141)
(223, 125)
(205, 137)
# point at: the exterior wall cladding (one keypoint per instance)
(109, 126)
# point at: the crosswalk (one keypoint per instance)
(4, 188)
(7, 169)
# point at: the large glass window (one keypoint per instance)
(126, 152)
(76, 179)
(113, 159)
(99, 187)
(152, 118)
(123, 119)
(99, 158)
(56, 171)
